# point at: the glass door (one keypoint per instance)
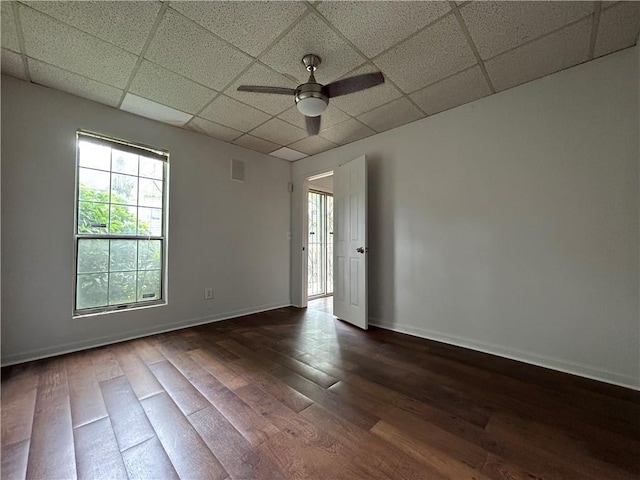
(320, 244)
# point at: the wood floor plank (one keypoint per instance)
(148, 460)
(188, 453)
(242, 460)
(14, 460)
(143, 382)
(545, 450)
(130, 424)
(105, 365)
(183, 393)
(147, 352)
(391, 461)
(498, 468)
(302, 450)
(51, 451)
(316, 376)
(433, 457)
(246, 353)
(18, 405)
(87, 404)
(218, 369)
(327, 399)
(253, 426)
(458, 448)
(97, 453)
(279, 390)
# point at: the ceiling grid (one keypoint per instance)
(181, 62)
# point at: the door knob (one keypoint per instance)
(360, 250)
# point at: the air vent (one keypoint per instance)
(237, 170)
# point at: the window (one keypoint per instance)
(120, 233)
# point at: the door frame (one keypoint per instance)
(304, 234)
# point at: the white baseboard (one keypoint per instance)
(561, 365)
(145, 332)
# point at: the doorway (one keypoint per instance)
(320, 237)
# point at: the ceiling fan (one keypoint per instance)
(312, 98)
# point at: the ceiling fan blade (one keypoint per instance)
(262, 89)
(313, 125)
(353, 84)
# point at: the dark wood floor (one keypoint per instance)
(297, 394)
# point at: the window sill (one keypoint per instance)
(126, 308)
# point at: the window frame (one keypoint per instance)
(138, 149)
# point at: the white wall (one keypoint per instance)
(219, 230)
(511, 224)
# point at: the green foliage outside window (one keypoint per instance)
(114, 271)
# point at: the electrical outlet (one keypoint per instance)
(208, 293)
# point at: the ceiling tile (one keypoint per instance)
(288, 154)
(346, 132)
(500, 26)
(331, 116)
(230, 112)
(212, 129)
(554, 52)
(12, 64)
(618, 28)
(313, 144)
(463, 87)
(163, 86)
(250, 26)
(154, 111)
(9, 30)
(312, 35)
(54, 77)
(391, 115)
(255, 143)
(57, 44)
(125, 24)
(188, 49)
(258, 74)
(278, 131)
(375, 26)
(433, 54)
(365, 100)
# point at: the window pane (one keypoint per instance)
(148, 285)
(124, 255)
(151, 168)
(93, 185)
(93, 256)
(149, 254)
(150, 193)
(123, 220)
(124, 189)
(122, 287)
(91, 290)
(124, 162)
(94, 156)
(93, 217)
(149, 221)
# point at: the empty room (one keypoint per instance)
(320, 240)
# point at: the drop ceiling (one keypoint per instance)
(181, 62)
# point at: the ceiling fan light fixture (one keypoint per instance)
(311, 106)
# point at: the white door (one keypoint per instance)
(350, 242)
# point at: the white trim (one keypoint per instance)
(565, 366)
(101, 341)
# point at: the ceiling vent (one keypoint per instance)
(237, 170)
